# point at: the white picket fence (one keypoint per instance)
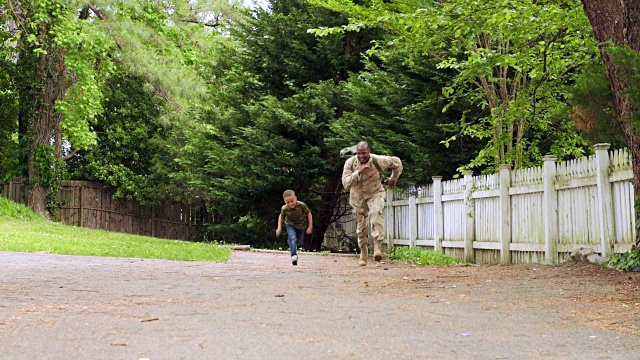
(534, 215)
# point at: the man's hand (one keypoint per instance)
(278, 232)
(309, 230)
(392, 183)
(362, 168)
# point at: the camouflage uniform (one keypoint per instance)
(367, 197)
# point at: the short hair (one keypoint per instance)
(365, 144)
(288, 193)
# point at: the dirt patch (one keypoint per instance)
(585, 293)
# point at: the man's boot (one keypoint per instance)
(364, 253)
(377, 250)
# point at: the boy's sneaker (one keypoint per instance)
(294, 259)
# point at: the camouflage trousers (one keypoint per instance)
(369, 210)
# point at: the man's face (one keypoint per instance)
(290, 201)
(362, 152)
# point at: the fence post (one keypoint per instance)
(438, 220)
(605, 199)
(391, 222)
(153, 221)
(469, 216)
(505, 214)
(550, 209)
(10, 194)
(81, 206)
(413, 219)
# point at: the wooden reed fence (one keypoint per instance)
(90, 204)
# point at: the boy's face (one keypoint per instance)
(290, 201)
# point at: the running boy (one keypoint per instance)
(297, 217)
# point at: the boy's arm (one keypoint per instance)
(279, 229)
(310, 221)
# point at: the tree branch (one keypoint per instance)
(209, 24)
(69, 155)
(99, 13)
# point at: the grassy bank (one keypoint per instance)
(23, 231)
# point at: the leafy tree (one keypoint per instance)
(514, 74)
(62, 52)
(11, 161)
(130, 134)
(267, 129)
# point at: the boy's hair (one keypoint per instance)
(288, 193)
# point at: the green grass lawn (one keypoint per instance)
(23, 231)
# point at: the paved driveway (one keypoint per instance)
(258, 306)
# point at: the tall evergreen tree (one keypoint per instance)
(269, 129)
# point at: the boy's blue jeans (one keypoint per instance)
(295, 238)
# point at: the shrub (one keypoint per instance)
(419, 256)
(629, 261)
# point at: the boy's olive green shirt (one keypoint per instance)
(296, 216)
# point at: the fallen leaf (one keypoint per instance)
(201, 345)
(280, 295)
(118, 344)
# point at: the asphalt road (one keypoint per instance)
(259, 306)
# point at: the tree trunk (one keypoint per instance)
(330, 198)
(49, 77)
(619, 22)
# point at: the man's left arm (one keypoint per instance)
(395, 164)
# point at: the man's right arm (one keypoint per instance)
(348, 175)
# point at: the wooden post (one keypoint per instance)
(81, 206)
(504, 225)
(391, 224)
(10, 194)
(605, 199)
(438, 219)
(469, 225)
(413, 219)
(187, 220)
(550, 209)
(153, 221)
